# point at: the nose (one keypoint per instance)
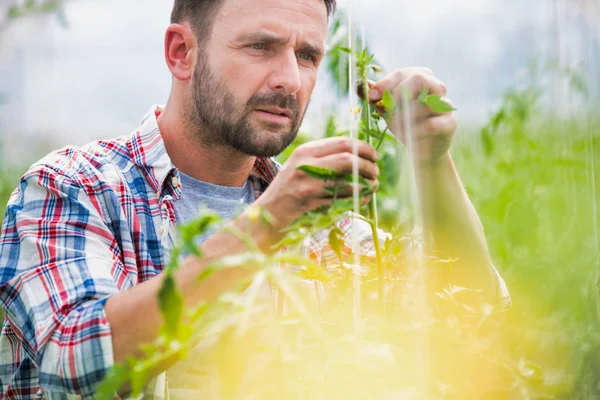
(285, 77)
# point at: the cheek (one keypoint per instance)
(242, 79)
(308, 85)
(236, 79)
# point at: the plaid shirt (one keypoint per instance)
(84, 224)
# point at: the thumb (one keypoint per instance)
(375, 93)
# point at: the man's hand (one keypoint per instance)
(293, 192)
(428, 135)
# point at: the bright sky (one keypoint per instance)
(100, 75)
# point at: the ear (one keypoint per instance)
(181, 50)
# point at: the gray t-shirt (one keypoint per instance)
(226, 200)
(187, 379)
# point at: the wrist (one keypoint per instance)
(433, 164)
(260, 226)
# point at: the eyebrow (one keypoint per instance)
(271, 39)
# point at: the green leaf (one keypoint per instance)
(115, 378)
(330, 127)
(170, 302)
(174, 259)
(323, 174)
(438, 105)
(344, 49)
(190, 246)
(332, 190)
(197, 227)
(197, 312)
(139, 378)
(388, 101)
(349, 179)
(336, 241)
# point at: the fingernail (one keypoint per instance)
(374, 94)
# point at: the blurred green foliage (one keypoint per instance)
(533, 177)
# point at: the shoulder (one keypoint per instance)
(97, 169)
(95, 164)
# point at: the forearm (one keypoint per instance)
(134, 315)
(450, 218)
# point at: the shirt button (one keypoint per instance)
(161, 231)
(158, 195)
(175, 181)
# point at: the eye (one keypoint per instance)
(257, 46)
(306, 56)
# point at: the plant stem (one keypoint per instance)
(372, 204)
(379, 256)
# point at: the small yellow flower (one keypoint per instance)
(355, 110)
(380, 103)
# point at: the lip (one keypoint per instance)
(277, 111)
(273, 118)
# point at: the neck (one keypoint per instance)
(218, 165)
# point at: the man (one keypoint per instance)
(87, 232)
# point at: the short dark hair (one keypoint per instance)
(201, 12)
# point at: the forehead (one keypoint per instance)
(305, 17)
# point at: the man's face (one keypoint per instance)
(254, 77)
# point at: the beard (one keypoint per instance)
(223, 121)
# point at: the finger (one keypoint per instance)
(345, 191)
(395, 78)
(319, 202)
(416, 110)
(363, 200)
(415, 84)
(374, 94)
(343, 163)
(441, 125)
(316, 203)
(447, 100)
(336, 145)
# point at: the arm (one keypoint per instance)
(131, 328)
(58, 257)
(291, 194)
(56, 275)
(448, 216)
(451, 220)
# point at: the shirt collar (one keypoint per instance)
(148, 152)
